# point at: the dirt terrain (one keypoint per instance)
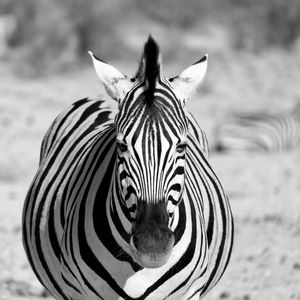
(263, 189)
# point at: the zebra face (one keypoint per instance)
(151, 149)
(151, 155)
(151, 144)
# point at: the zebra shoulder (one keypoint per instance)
(83, 115)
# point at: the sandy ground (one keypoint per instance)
(263, 189)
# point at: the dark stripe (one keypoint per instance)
(97, 58)
(185, 281)
(68, 283)
(66, 265)
(181, 263)
(203, 59)
(210, 225)
(61, 121)
(98, 213)
(89, 110)
(224, 221)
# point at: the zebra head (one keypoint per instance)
(151, 137)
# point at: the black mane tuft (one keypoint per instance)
(149, 68)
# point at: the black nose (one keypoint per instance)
(152, 237)
(151, 234)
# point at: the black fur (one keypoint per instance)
(149, 69)
(203, 59)
(96, 57)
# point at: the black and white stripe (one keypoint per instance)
(259, 131)
(103, 178)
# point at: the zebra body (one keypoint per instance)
(258, 132)
(91, 232)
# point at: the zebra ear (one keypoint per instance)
(186, 84)
(116, 84)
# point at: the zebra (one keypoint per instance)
(125, 204)
(259, 131)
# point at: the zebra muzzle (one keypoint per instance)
(151, 241)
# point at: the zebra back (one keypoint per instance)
(258, 132)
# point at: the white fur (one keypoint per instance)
(186, 84)
(116, 84)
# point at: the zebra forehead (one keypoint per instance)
(165, 111)
(164, 103)
(154, 128)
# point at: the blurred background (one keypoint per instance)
(254, 64)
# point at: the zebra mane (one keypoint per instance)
(149, 68)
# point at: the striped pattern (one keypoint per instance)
(259, 132)
(96, 171)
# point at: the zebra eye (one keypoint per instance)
(122, 147)
(181, 147)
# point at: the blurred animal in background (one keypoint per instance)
(8, 26)
(125, 205)
(259, 131)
